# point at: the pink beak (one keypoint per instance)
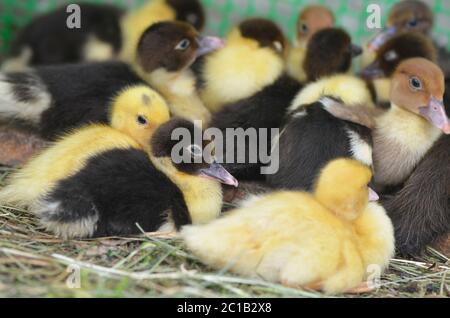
(373, 196)
(218, 172)
(435, 114)
(208, 44)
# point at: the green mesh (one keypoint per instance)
(222, 14)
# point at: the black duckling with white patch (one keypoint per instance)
(312, 138)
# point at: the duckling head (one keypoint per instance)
(189, 11)
(401, 47)
(408, 15)
(173, 47)
(342, 187)
(329, 51)
(259, 34)
(311, 20)
(138, 111)
(178, 148)
(418, 86)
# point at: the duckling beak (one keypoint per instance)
(372, 71)
(356, 50)
(435, 114)
(208, 44)
(381, 38)
(373, 196)
(218, 172)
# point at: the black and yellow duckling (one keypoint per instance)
(267, 108)
(134, 114)
(253, 58)
(326, 240)
(107, 32)
(411, 15)
(311, 19)
(55, 99)
(100, 181)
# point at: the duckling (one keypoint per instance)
(57, 98)
(325, 240)
(411, 15)
(408, 130)
(135, 113)
(253, 58)
(120, 186)
(267, 108)
(107, 32)
(310, 20)
(310, 139)
(391, 54)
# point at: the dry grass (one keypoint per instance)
(34, 263)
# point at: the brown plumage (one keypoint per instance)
(420, 211)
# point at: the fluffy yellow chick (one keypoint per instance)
(136, 113)
(329, 240)
(253, 58)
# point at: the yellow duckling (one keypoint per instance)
(135, 114)
(252, 59)
(330, 240)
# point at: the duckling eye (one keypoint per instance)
(195, 150)
(304, 28)
(412, 23)
(415, 83)
(142, 120)
(183, 45)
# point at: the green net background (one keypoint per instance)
(222, 14)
